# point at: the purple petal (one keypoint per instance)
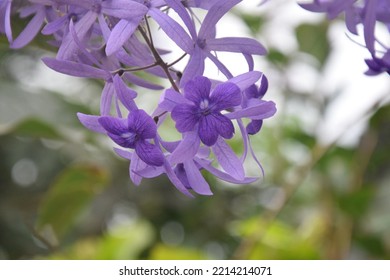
(185, 117)
(149, 153)
(179, 8)
(125, 94)
(126, 140)
(142, 124)
(170, 99)
(150, 171)
(169, 146)
(30, 31)
(187, 148)
(124, 153)
(114, 125)
(257, 109)
(197, 89)
(225, 96)
(91, 122)
(249, 61)
(236, 44)
(104, 28)
(173, 30)
(208, 131)
(225, 127)
(82, 48)
(216, 12)
(195, 179)
(124, 9)
(76, 69)
(313, 7)
(254, 127)
(120, 34)
(221, 67)
(82, 27)
(351, 20)
(245, 139)
(106, 99)
(195, 66)
(228, 159)
(245, 80)
(136, 164)
(181, 174)
(7, 21)
(369, 25)
(54, 25)
(175, 180)
(263, 86)
(224, 176)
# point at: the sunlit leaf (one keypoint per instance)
(276, 241)
(312, 39)
(126, 241)
(164, 252)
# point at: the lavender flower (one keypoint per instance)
(252, 94)
(134, 133)
(202, 111)
(99, 39)
(200, 45)
(367, 13)
(31, 29)
(198, 116)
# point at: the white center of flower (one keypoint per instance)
(128, 136)
(204, 104)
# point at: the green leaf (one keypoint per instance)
(254, 22)
(69, 196)
(126, 241)
(277, 57)
(164, 252)
(356, 203)
(278, 240)
(312, 39)
(34, 128)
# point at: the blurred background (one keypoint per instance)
(64, 194)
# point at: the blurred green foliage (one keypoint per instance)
(65, 195)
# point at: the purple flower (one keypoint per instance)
(30, 30)
(129, 14)
(368, 14)
(201, 45)
(134, 133)
(202, 112)
(254, 92)
(5, 19)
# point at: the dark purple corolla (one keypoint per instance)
(203, 110)
(255, 93)
(134, 133)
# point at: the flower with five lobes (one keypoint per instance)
(134, 133)
(202, 109)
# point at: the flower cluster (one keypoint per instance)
(368, 13)
(112, 40)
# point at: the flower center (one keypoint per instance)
(204, 107)
(130, 137)
(201, 43)
(96, 7)
(147, 4)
